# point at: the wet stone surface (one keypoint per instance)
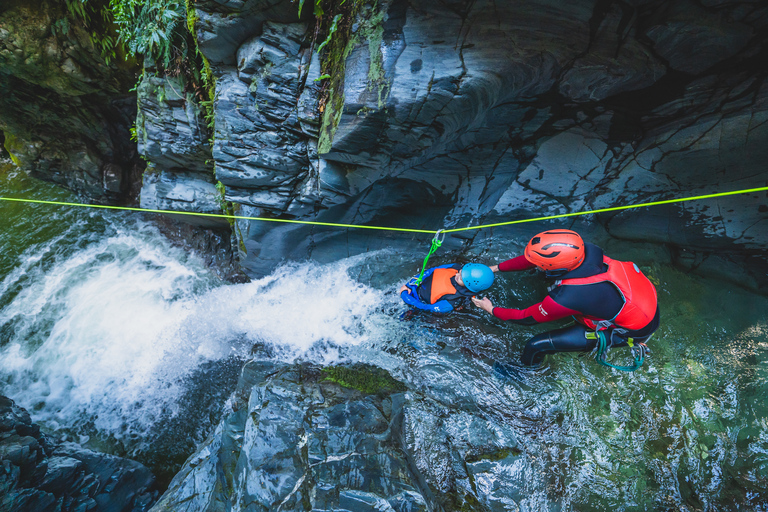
(38, 474)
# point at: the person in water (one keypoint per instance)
(599, 292)
(447, 287)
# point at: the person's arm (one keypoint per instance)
(513, 265)
(545, 311)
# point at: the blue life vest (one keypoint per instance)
(412, 298)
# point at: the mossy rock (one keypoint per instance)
(493, 456)
(364, 378)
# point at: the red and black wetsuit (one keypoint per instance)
(589, 302)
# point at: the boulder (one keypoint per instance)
(41, 475)
(300, 437)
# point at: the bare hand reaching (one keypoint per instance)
(484, 303)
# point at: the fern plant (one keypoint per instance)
(144, 27)
(149, 27)
(98, 20)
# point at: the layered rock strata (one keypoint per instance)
(438, 115)
(40, 475)
(458, 114)
(347, 438)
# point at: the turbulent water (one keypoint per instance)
(112, 337)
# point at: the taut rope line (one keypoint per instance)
(385, 228)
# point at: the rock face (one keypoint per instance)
(464, 113)
(344, 438)
(296, 441)
(42, 476)
(437, 115)
(65, 113)
(173, 140)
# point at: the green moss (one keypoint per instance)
(222, 192)
(494, 456)
(470, 504)
(370, 20)
(191, 18)
(373, 31)
(14, 147)
(364, 378)
(203, 67)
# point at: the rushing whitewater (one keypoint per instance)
(112, 337)
(109, 333)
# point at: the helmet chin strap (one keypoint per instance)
(552, 274)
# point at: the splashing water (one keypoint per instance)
(107, 331)
(106, 328)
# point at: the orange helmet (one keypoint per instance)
(557, 249)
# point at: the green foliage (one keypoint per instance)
(13, 145)
(98, 20)
(148, 27)
(143, 27)
(331, 31)
(191, 17)
(318, 8)
(365, 378)
(222, 190)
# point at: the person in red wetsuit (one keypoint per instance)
(599, 292)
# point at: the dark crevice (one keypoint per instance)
(3, 152)
(599, 12)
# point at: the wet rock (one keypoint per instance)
(171, 126)
(448, 115)
(693, 39)
(447, 132)
(296, 440)
(38, 474)
(615, 62)
(260, 151)
(174, 141)
(223, 27)
(66, 112)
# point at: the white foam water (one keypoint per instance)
(108, 334)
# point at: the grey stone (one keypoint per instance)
(170, 125)
(183, 192)
(693, 39)
(40, 475)
(613, 63)
(299, 443)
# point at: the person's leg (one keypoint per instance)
(567, 339)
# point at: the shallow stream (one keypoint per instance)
(113, 338)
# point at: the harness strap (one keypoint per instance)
(603, 346)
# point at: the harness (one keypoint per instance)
(605, 342)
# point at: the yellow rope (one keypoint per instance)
(217, 215)
(384, 228)
(612, 209)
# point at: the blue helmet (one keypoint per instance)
(476, 277)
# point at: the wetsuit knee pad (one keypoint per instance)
(567, 339)
(536, 348)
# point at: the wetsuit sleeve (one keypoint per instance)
(545, 311)
(518, 263)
